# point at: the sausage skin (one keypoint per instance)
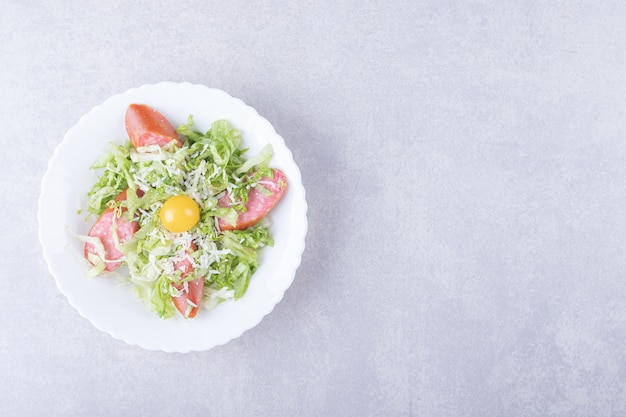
(103, 229)
(193, 292)
(258, 204)
(146, 126)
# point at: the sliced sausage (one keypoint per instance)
(193, 292)
(146, 126)
(103, 229)
(258, 204)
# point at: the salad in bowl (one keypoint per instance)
(173, 217)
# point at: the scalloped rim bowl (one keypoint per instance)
(114, 309)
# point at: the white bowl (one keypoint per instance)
(115, 309)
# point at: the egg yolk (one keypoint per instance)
(179, 214)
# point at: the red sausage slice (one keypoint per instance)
(193, 293)
(258, 204)
(103, 229)
(146, 126)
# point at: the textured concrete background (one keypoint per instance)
(465, 164)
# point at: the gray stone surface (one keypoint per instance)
(465, 167)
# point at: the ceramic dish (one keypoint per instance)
(115, 309)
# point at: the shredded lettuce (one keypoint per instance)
(206, 167)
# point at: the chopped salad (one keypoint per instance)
(184, 211)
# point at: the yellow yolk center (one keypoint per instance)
(179, 214)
